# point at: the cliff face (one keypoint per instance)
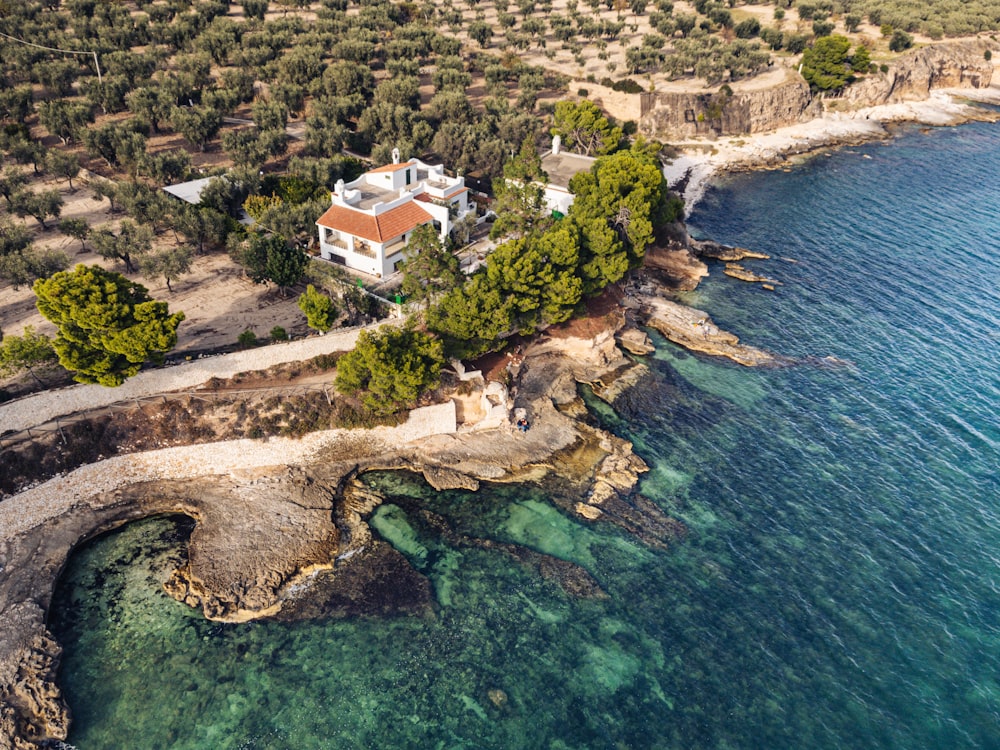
(675, 115)
(685, 115)
(952, 65)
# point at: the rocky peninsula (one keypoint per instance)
(281, 523)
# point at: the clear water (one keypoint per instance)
(840, 584)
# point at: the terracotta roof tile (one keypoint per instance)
(392, 167)
(386, 226)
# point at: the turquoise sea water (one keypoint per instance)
(840, 583)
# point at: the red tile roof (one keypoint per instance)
(392, 167)
(385, 226)
(427, 198)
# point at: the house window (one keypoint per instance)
(407, 176)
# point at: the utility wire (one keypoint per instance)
(56, 49)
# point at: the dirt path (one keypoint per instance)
(42, 407)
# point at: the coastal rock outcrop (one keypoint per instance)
(694, 329)
(727, 253)
(765, 105)
(677, 268)
(678, 115)
(949, 65)
(282, 531)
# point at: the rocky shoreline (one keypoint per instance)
(280, 522)
(281, 525)
(701, 160)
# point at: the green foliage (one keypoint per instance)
(861, 59)
(40, 206)
(168, 263)
(825, 65)
(279, 334)
(472, 318)
(823, 28)
(269, 257)
(78, 229)
(795, 43)
(200, 225)
(900, 41)
(198, 124)
(390, 368)
(108, 326)
(24, 267)
(540, 277)
(429, 268)
(247, 339)
(318, 308)
(583, 127)
(747, 29)
(167, 167)
(63, 164)
(25, 352)
(64, 119)
(119, 144)
(617, 205)
(711, 58)
(520, 196)
(133, 240)
(11, 182)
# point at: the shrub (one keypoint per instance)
(247, 339)
(279, 334)
(822, 28)
(747, 29)
(900, 41)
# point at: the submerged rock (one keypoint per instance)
(736, 271)
(694, 329)
(635, 342)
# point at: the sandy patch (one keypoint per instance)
(218, 301)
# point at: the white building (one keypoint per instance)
(560, 167)
(370, 220)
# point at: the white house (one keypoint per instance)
(560, 167)
(370, 220)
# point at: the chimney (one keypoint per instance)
(338, 190)
(556, 145)
(395, 156)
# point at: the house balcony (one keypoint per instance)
(395, 247)
(363, 248)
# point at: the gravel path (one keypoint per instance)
(43, 407)
(91, 484)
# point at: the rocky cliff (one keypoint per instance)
(756, 109)
(952, 65)
(675, 115)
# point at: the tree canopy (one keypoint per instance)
(539, 277)
(825, 65)
(390, 368)
(269, 257)
(429, 268)
(583, 127)
(318, 308)
(25, 352)
(108, 326)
